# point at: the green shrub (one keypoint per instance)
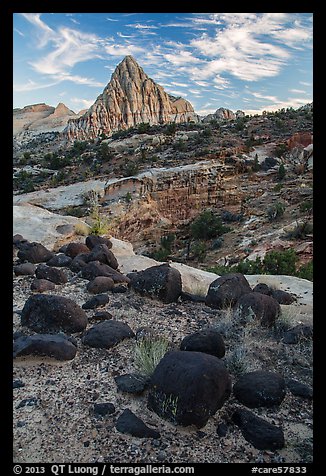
(280, 262)
(130, 169)
(149, 350)
(199, 250)
(104, 152)
(256, 164)
(207, 225)
(280, 150)
(281, 172)
(278, 187)
(275, 211)
(306, 207)
(170, 129)
(143, 127)
(306, 271)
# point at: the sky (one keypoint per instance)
(247, 61)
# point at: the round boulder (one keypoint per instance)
(188, 387)
(51, 313)
(74, 249)
(226, 290)
(265, 308)
(260, 389)
(94, 240)
(161, 282)
(282, 297)
(41, 285)
(262, 288)
(95, 268)
(208, 341)
(96, 301)
(24, 269)
(100, 284)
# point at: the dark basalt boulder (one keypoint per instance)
(226, 290)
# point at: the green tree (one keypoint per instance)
(256, 165)
(281, 172)
(207, 225)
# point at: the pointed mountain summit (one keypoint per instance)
(62, 110)
(130, 98)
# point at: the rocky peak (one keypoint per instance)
(221, 114)
(130, 98)
(62, 110)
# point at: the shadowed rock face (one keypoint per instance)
(188, 387)
(130, 98)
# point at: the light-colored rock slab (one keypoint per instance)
(36, 224)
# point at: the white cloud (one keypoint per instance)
(181, 58)
(82, 103)
(290, 102)
(297, 91)
(305, 83)
(123, 50)
(44, 32)
(124, 36)
(138, 26)
(32, 86)
(176, 93)
(112, 19)
(181, 85)
(19, 32)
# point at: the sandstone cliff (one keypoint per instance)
(130, 98)
(221, 114)
(38, 118)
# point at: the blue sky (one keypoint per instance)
(247, 61)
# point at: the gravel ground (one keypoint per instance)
(59, 425)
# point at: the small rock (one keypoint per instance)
(66, 229)
(129, 423)
(94, 240)
(260, 389)
(222, 430)
(78, 263)
(52, 313)
(27, 402)
(131, 383)
(102, 254)
(100, 284)
(95, 268)
(294, 335)
(299, 389)
(208, 341)
(107, 334)
(160, 282)
(102, 316)
(263, 288)
(103, 409)
(74, 249)
(35, 253)
(96, 301)
(42, 285)
(226, 290)
(264, 308)
(282, 297)
(24, 269)
(57, 276)
(55, 346)
(260, 433)
(60, 260)
(17, 384)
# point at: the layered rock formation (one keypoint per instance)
(40, 118)
(130, 98)
(221, 114)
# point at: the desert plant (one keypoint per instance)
(275, 211)
(99, 225)
(281, 172)
(306, 271)
(207, 225)
(130, 169)
(82, 229)
(306, 206)
(256, 164)
(237, 361)
(199, 250)
(280, 262)
(149, 350)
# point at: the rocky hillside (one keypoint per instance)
(130, 98)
